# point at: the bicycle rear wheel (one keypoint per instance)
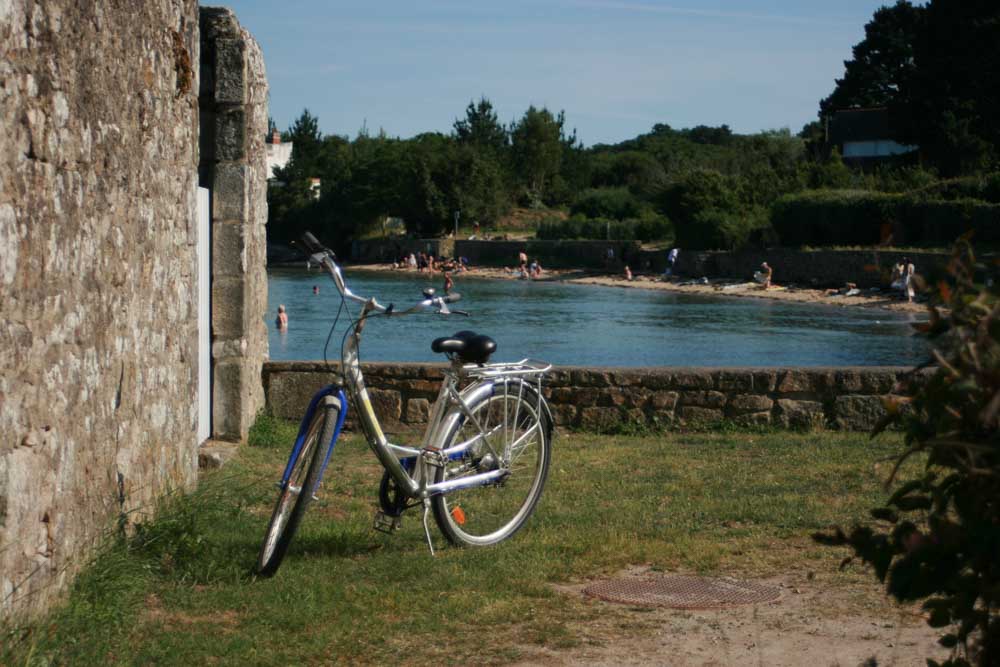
(519, 430)
(296, 494)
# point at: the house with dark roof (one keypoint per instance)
(863, 136)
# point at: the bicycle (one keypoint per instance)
(485, 453)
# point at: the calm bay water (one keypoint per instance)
(587, 325)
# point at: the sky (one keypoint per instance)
(616, 67)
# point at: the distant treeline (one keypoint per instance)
(703, 187)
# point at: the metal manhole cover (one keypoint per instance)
(683, 592)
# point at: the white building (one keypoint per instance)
(278, 153)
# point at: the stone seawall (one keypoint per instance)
(818, 268)
(606, 398)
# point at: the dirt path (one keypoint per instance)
(730, 288)
(813, 624)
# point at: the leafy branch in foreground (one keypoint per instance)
(938, 537)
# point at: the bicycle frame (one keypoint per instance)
(452, 406)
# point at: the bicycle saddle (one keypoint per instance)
(471, 348)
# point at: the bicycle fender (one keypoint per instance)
(475, 393)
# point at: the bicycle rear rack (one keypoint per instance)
(523, 368)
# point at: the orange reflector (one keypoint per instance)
(458, 515)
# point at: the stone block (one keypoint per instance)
(703, 399)
(698, 415)
(388, 404)
(654, 378)
(563, 395)
(764, 381)
(417, 410)
(660, 417)
(585, 396)
(796, 382)
(857, 413)
(849, 381)
(741, 381)
(228, 308)
(625, 378)
(878, 381)
(612, 396)
(229, 250)
(230, 71)
(742, 404)
(753, 419)
(664, 401)
(230, 193)
(425, 387)
(215, 454)
(802, 415)
(564, 415)
(694, 380)
(230, 135)
(599, 419)
(230, 412)
(289, 393)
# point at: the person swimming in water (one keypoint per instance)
(282, 319)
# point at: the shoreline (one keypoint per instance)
(882, 300)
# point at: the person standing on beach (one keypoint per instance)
(908, 271)
(628, 273)
(671, 260)
(768, 272)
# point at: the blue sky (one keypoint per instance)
(615, 66)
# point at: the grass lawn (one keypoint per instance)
(181, 592)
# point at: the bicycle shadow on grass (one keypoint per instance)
(339, 545)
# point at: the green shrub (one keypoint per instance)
(833, 217)
(718, 229)
(938, 538)
(985, 188)
(614, 203)
(859, 217)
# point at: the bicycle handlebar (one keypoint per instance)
(327, 259)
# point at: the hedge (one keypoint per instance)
(641, 229)
(856, 217)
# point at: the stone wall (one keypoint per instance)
(603, 398)
(555, 254)
(98, 340)
(388, 250)
(820, 268)
(233, 105)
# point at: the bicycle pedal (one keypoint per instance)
(384, 523)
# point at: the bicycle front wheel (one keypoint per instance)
(297, 492)
(516, 439)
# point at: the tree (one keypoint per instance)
(883, 61)
(481, 128)
(307, 138)
(537, 147)
(951, 100)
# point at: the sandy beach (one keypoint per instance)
(716, 287)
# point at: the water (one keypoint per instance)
(586, 325)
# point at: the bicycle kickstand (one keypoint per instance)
(427, 530)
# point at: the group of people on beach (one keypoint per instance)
(526, 270)
(428, 262)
